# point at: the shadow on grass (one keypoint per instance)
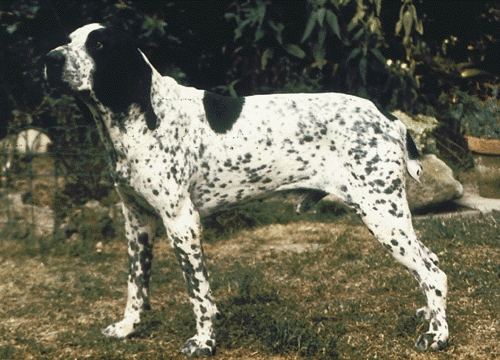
(255, 313)
(225, 223)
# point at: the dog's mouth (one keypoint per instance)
(54, 63)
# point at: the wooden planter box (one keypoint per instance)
(486, 155)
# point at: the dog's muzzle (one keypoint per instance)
(54, 63)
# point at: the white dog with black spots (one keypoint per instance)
(177, 153)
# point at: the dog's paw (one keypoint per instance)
(437, 337)
(196, 347)
(430, 341)
(120, 330)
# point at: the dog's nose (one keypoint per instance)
(54, 58)
(54, 62)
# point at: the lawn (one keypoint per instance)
(315, 287)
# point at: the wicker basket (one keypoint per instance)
(483, 146)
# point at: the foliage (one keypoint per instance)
(31, 28)
(475, 117)
(409, 20)
(260, 46)
(346, 53)
(359, 31)
(373, 48)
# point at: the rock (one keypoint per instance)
(38, 178)
(421, 128)
(92, 221)
(37, 219)
(25, 142)
(437, 185)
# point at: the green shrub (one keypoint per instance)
(474, 117)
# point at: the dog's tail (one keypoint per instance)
(412, 156)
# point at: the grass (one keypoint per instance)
(299, 288)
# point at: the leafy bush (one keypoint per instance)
(337, 45)
(475, 117)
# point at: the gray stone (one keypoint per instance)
(29, 219)
(437, 185)
(92, 221)
(421, 128)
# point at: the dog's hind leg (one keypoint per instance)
(388, 218)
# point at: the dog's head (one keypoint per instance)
(101, 64)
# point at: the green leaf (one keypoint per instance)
(419, 27)
(231, 88)
(379, 6)
(266, 55)
(278, 28)
(463, 65)
(333, 21)
(320, 15)
(399, 26)
(374, 25)
(351, 26)
(295, 50)
(309, 28)
(321, 36)
(353, 54)
(362, 93)
(358, 34)
(378, 55)
(407, 23)
(362, 69)
(237, 33)
(319, 55)
(472, 72)
(413, 10)
(259, 33)
(401, 11)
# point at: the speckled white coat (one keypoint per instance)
(178, 152)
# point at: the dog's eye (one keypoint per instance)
(95, 45)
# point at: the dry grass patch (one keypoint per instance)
(291, 290)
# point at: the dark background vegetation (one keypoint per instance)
(258, 46)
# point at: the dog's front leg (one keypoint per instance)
(139, 229)
(184, 232)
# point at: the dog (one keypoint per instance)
(177, 153)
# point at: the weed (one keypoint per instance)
(7, 352)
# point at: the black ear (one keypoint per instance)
(122, 77)
(411, 147)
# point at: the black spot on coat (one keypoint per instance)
(222, 111)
